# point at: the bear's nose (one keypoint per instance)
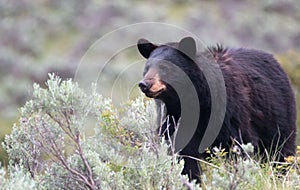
(144, 86)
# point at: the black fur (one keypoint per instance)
(260, 101)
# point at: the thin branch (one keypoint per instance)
(187, 184)
(90, 173)
(57, 153)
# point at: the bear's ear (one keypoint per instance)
(145, 47)
(187, 46)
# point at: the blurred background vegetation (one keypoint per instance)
(38, 37)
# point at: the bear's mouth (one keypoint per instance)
(152, 94)
(152, 87)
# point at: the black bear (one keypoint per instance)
(260, 104)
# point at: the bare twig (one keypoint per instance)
(54, 150)
(90, 173)
(187, 183)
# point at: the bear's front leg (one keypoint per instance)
(192, 169)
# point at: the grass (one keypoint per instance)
(219, 172)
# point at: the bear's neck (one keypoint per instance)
(173, 106)
(173, 103)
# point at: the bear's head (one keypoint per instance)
(165, 66)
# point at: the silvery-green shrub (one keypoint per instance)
(69, 139)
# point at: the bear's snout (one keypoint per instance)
(152, 87)
(144, 86)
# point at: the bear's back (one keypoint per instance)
(258, 89)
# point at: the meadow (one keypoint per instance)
(56, 134)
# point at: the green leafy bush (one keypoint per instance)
(54, 144)
(18, 179)
(69, 139)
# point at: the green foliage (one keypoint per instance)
(50, 142)
(17, 179)
(52, 147)
(290, 62)
(238, 170)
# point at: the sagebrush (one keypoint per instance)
(67, 138)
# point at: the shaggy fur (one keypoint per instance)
(260, 102)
